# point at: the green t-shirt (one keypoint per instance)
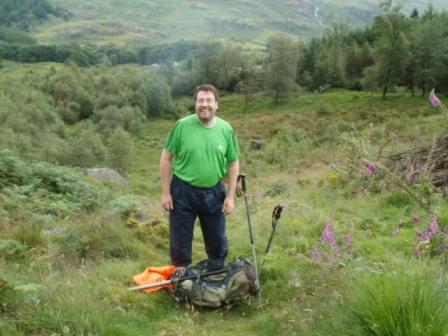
(201, 155)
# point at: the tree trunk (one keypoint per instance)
(384, 92)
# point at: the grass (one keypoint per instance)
(76, 283)
(400, 302)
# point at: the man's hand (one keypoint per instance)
(228, 206)
(167, 202)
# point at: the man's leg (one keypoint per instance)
(181, 237)
(213, 228)
(182, 219)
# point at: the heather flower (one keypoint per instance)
(435, 101)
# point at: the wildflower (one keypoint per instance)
(328, 236)
(422, 247)
(315, 255)
(348, 240)
(369, 166)
(433, 229)
(435, 101)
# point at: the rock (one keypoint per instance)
(256, 144)
(107, 175)
(58, 232)
(141, 220)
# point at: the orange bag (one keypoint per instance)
(153, 275)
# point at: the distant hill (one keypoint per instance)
(128, 22)
(23, 13)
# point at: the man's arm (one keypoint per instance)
(165, 175)
(229, 202)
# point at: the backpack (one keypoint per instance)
(234, 285)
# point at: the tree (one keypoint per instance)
(390, 52)
(86, 148)
(428, 53)
(120, 150)
(251, 79)
(219, 64)
(158, 95)
(281, 65)
(359, 57)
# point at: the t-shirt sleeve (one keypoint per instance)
(233, 152)
(171, 142)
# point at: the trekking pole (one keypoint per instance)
(179, 279)
(276, 213)
(242, 177)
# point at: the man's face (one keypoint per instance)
(206, 106)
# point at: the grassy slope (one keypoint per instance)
(131, 22)
(74, 297)
(134, 22)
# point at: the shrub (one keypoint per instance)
(286, 146)
(39, 186)
(127, 118)
(275, 189)
(86, 148)
(120, 150)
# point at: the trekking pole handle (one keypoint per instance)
(242, 177)
(276, 213)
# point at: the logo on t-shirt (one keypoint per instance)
(222, 148)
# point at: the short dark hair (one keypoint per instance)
(206, 87)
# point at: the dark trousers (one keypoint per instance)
(189, 203)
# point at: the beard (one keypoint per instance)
(205, 115)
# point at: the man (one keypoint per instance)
(199, 152)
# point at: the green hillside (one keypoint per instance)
(143, 21)
(136, 21)
(339, 129)
(68, 250)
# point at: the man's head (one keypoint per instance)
(206, 97)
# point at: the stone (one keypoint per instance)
(107, 175)
(256, 144)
